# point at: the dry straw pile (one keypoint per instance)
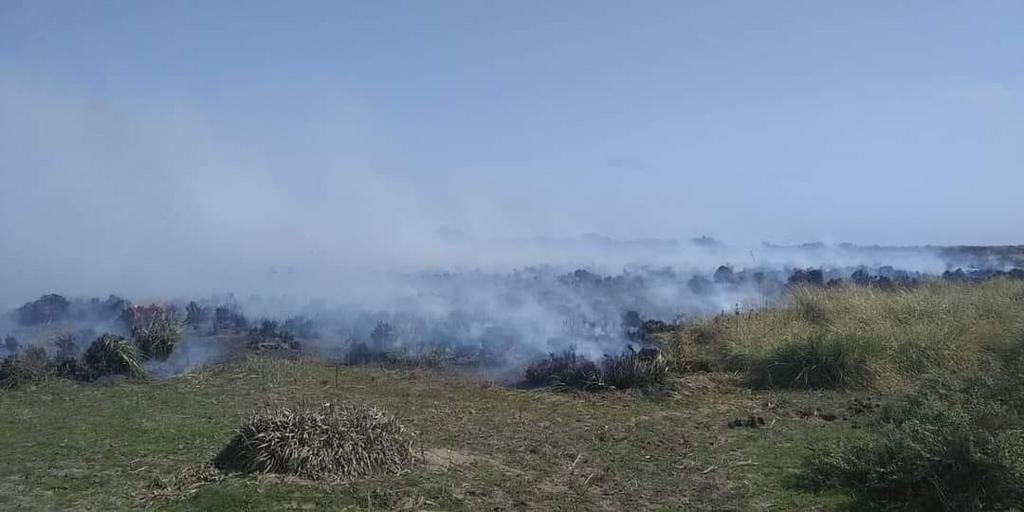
(319, 443)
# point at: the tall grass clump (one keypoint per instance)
(955, 445)
(646, 368)
(643, 369)
(319, 443)
(112, 355)
(156, 328)
(815, 362)
(564, 369)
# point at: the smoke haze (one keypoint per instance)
(451, 166)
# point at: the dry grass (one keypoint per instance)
(880, 338)
(319, 443)
(155, 329)
(564, 370)
(569, 370)
(635, 370)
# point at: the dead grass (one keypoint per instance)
(883, 339)
(320, 443)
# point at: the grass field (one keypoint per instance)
(481, 446)
(711, 441)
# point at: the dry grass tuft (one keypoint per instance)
(635, 370)
(155, 329)
(564, 370)
(319, 443)
(645, 369)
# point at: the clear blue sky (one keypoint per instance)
(887, 122)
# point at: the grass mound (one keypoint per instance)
(112, 355)
(155, 329)
(319, 443)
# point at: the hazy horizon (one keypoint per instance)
(160, 145)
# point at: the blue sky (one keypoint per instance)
(329, 124)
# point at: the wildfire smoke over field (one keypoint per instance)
(486, 321)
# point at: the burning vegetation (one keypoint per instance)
(916, 376)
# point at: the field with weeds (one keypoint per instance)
(845, 398)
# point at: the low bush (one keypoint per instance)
(111, 355)
(319, 443)
(270, 335)
(566, 369)
(228, 319)
(46, 309)
(29, 367)
(11, 344)
(646, 368)
(301, 327)
(955, 446)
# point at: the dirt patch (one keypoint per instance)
(441, 459)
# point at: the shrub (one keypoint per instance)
(66, 347)
(811, 276)
(195, 314)
(948, 446)
(361, 353)
(29, 367)
(319, 443)
(68, 368)
(383, 335)
(566, 369)
(301, 327)
(155, 329)
(644, 369)
(633, 327)
(111, 355)
(269, 335)
(11, 344)
(228, 318)
(46, 309)
(814, 362)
